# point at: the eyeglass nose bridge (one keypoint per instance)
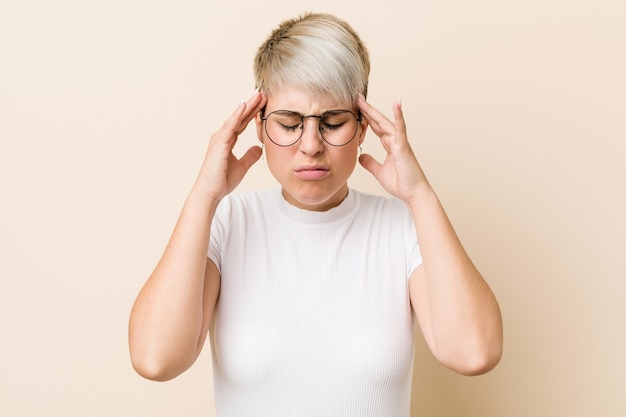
(320, 129)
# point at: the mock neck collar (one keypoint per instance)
(328, 218)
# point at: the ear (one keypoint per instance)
(364, 126)
(259, 127)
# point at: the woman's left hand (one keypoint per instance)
(400, 174)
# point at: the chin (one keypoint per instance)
(316, 200)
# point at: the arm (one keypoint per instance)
(171, 315)
(457, 311)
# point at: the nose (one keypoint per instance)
(311, 142)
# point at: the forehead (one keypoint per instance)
(303, 101)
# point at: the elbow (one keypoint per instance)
(479, 363)
(155, 365)
(154, 360)
(478, 351)
(151, 369)
(150, 372)
(474, 359)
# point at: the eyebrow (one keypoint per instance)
(263, 112)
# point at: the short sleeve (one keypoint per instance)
(219, 226)
(415, 259)
(414, 255)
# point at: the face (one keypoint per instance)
(313, 174)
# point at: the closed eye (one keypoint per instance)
(290, 128)
(330, 126)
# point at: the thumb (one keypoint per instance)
(369, 163)
(250, 157)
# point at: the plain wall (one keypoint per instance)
(516, 111)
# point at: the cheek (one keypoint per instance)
(350, 152)
(277, 158)
(345, 159)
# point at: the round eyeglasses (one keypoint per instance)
(337, 127)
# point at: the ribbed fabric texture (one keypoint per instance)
(314, 317)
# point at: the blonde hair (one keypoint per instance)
(315, 51)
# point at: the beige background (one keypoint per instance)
(516, 110)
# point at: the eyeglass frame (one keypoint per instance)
(264, 118)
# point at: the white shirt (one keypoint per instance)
(314, 316)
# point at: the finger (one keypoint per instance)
(252, 107)
(250, 157)
(233, 122)
(400, 124)
(389, 132)
(370, 164)
(399, 118)
(379, 123)
(375, 121)
(244, 112)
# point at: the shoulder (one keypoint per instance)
(238, 210)
(384, 211)
(380, 203)
(247, 202)
(237, 213)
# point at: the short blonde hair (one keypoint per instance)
(316, 51)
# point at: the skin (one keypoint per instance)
(289, 164)
(457, 312)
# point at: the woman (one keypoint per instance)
(312, 288)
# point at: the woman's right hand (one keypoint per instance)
(221, 171)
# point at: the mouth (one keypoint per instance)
(312, 172)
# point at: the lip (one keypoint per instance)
(312, 172)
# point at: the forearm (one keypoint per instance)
(463, 314)
(167, 318)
